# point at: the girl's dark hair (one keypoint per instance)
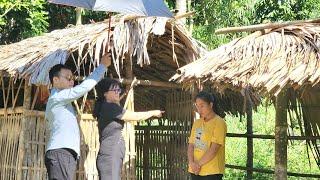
(209, 98)
(103, 86)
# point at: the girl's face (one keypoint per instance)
(204, 108)
(113, 94)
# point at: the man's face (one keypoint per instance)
(65, 80)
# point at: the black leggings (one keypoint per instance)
(208, 177)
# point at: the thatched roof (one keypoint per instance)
(144, 39)
(267, 60)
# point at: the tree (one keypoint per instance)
(212, 15)
(281, 10)
(181, 5)
(20, 19)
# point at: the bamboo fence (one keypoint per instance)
(161, 150)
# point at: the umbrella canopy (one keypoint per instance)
(134, 7)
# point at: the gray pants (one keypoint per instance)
(110, 159)
(61, 164)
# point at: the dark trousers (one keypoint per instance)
(208, 177)
(61, 164)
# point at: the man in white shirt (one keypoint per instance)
(63, 148)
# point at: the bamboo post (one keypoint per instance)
(259, 27)
(281, 139)
(249, 139)
(78, 16)
(181, 5)
(145, 153)
(130, 140)
(26, 106)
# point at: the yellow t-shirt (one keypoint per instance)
(202, 135)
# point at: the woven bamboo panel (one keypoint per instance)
(10, 128)
(162, 150)
(26, 160)
(89, 149)
(33, 166)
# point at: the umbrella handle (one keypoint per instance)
(109, 30)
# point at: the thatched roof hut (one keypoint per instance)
(269, 61)
(150, 49)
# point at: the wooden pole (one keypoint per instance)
(181, 5)
(152, 83)
(129, 127)
(78, 16)
(143, 82)
(26, 106)
(249, 139)
(281, 139)
(259, 27)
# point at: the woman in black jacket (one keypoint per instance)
(111, 117)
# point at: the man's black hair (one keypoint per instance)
(55, 71)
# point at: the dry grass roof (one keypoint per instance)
(144, 40)
(268, 60)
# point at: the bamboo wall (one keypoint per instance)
(23, 137)
(162, 149)
(10, 129)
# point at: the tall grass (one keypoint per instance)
(263, 123)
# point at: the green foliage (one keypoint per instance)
(26, 18)
(280, 10)
(213, 15)
(21, 19)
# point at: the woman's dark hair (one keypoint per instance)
(209, 98)
(103, 86)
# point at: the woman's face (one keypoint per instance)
(204, 108)
(113, 94)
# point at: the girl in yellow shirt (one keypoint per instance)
(206, 150)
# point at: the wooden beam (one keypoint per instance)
(11, 110)
(151, 83)
(142, 82)
(259, 27)
(281, 139)
(184, 15)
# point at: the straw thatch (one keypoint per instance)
(266, 60)
(269, 61)
(85, 43)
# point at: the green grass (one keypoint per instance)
(263, 123)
